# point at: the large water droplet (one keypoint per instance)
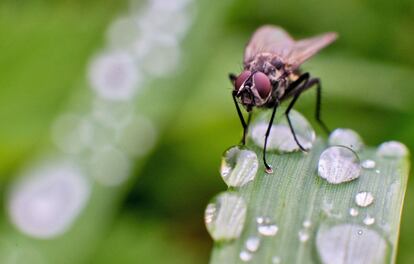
(364, 199)
(281, 138)
(339, 164)
(392, 149)
(368, 164)
(225, 216)
(346, 137)
(238, 166)
(253, 243)
(353, 244)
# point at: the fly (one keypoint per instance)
(271, 75)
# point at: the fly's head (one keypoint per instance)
(253, 88)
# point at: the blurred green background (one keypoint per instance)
(45, 46)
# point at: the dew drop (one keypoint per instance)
(225, 216)
(368, 164)
(368, 220)
(267, 229)
(245, 256)
(392, 149)
(253, 243)
(346, 137)
(339, 164)
(307, 224)
(303, 236)
(353, 212)
(275, 260)
(238, 166)
(281, 138)
(364, 199)
(347, 243)
(260, 220)
(377, 171)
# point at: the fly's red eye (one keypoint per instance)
(262, 84)
(241, 79)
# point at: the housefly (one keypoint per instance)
(271, 75)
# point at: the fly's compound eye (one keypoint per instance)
(241, 79)
(262, 84)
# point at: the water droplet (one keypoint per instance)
(347, 243)
(368, 164)
(114, 76)
(281, 138)
(353, 212)
(339, 164)
(260, 219)
(368, 220)
(392, 149)
(245, 256)
(253, 243)
(109, 166)
(364, 199)
(275, 260)
(346, 137)
(267, 229)
(303, 236)
(377, 171)
(46, 201)
(225, 216)
(238, 166)
(307, 224)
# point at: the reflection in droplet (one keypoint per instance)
(114, 76)
(364, 199)
(368, 164)
(353, 244)
(238, 166)
(252, 243)
(281, 137)
(368, 220)
(346, 137)
(225, 216)
(109, 166)
(46, 201)
(339, 164)
(392, 149)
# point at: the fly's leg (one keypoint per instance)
(269, 128)
(318, 118)
(239, 113)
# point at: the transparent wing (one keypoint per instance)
(269, 39)
(275, 40)
(306, 48)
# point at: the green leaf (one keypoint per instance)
(318, 222)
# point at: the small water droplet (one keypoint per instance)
(281, 138)
(267, 229)
(339, 164)
(303, 236)
(260, 219)
(364, 199)
(353, 212)
(346, 137)
(238, 166)
(377, 171)
(392, 149)
(253, 243)
(368, 220)
(348, 243)
(225, 216)
(368, 164)
(307, 224)
(275, 260)
(245, 256)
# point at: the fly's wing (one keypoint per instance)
(306, 48)
(268, 39)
